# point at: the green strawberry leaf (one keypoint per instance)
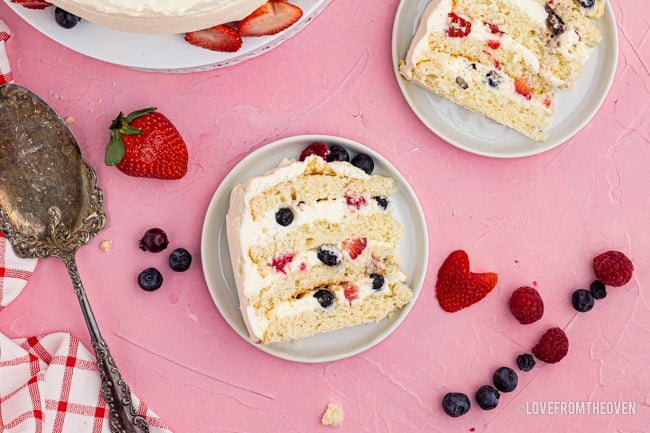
(114, 150)
(121, 126)
(138, 113)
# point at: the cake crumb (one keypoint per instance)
(69, 120)
(333, 415)
(106, 245)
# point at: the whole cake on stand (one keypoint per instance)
(160, 16)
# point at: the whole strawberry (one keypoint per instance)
(552, 346)
(146, 144)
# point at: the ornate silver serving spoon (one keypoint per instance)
(50, 205)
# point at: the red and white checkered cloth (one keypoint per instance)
(6, 75)
(14, 273)
(50, 383)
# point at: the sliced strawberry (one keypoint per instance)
(459, 27)
(355, 247)
(355, 200)
(351, 293)
(270, 18)
(33, 4)
(523, 88)
(494, 44)
(457, 287)
(217, 38)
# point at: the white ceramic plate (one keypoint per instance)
(218, 271)
(477, 134)
(159, 53)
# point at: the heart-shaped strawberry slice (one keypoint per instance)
(457, 287)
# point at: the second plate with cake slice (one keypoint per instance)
(477, 57)
(158, 52)
(336, 297)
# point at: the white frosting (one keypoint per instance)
(243, 233)
(169, 7)
(434, 19)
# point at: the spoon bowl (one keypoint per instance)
(50, 205)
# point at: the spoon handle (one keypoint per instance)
(116, 392)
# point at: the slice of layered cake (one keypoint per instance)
(504, 59)
(314, 248)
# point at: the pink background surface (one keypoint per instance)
(537, 220)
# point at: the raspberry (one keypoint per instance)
(613, 268)
(526, 305)
(552, 347)
(318, 149)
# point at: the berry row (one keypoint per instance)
(611, 268)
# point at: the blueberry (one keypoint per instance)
(377, 281)
(525, 362)
(328, 256)
(154, 240)
(325, 297)
(554, 23)
(180, 260)
(597, 289)
(337, 153)
(284, 216)
(493, 78)
(487, 397)
(582, 300)
(150, 279)
(364, 162)
(65, 19)
(505, 379)
(455, 404)
(586, 3)
(382, 202)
